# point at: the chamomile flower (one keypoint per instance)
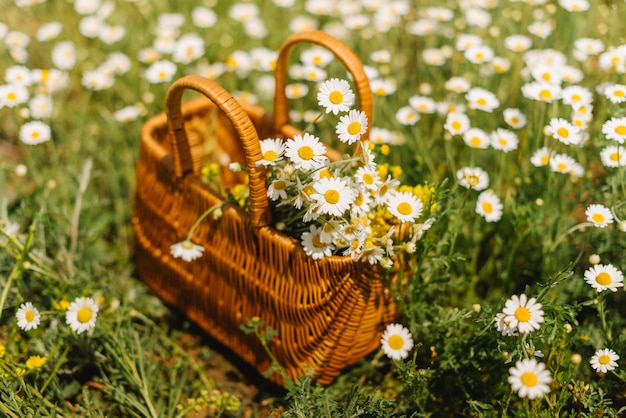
(489, 206)
(278, 188)
(18, 75)
(564, 131)
(352, 126)
(97, 80)
(407, 116)
(35, 132)
(540, 29)
(615, 129)
(481, 99)
(564, 164)
(503, 326)
(405, 206)
(473, 178)
(396, 341)
(333, 196)
(423, 104)
(49, 31)
(514, 118)
(28, 317)
(383, 86)
(306, 152)
(317, 56)
(604, 360)
(456, 85)
(296, 90)
(161, 71)
(12, 95)
(81, 314)
(616, 93)
(517, 43)
(599, 215)
(367, 177)
(613, 156)
(504, 140)
(127, 114)
(479, 54)
(476, 138)
(335, 96)
(203, 17)
(604, 276)
(186, 250)
(541, 91)
(541, 157)
(272, 150)
(576, 96)
(522, 313)
(313, 245)
(456, 123)
(529, 378)
(574, 5)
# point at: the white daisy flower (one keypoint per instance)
(306, 152)
(317, 56)
(476, 138)
(489, 206)
(97, 80)
(352, 126)
(367, 177)
(541, 91)
(479, 54)
(64, 55)
(407, 116)
(12, 95)
(405, 206)
(28, 317)
(613, 156)
(35, 132)
(530, 379)
(272, 150)
(127, 114)
(313, 245)
(503, 326)
(547, 73)
(278, 188)
(523, 313)
(564, 131)
(615, 129)
(504, 140)
(189, 48)
(383, 86)
(161, 71)
(517, 43)
(456, 123)
(616, 93)
(540, 29)
(333, 196)
(424, 104)
(473, 178)
(203, 17)
(296, 90)
(361, 204)
(514, 118)
(576, 96)
(396, 341)
(563, 163)
(335, 96)
(574, 5)
(479, 98)
(40, 106)
(48, 31)
(18, 74)
(589, 46)
(186, 250)
(604, 276)
(81, 314)
(541, 157)
(599, 215)
(604, 360)
(456, 85)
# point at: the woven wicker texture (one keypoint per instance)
(329, 313)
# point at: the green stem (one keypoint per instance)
(82, 187)
(576, 227)
(602, 313)
(201, 218)
(56, 367)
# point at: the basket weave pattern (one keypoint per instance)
(329, 313)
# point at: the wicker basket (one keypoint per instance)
(329, 313)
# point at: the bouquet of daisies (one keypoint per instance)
(345, 207)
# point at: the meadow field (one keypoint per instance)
(497, 134)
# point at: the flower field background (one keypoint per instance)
(508, 117)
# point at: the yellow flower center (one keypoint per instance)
(84, 315)
(487, 207)
(368, 178)
(270, 155)
(305, 152)
(619, 93)
(358, 201)
(480, 56)
(395, 342)
(308, 190)
(614, 156)
(514, 120)
(620, 130)
(597, 217)
(335, 97)
(326, 174)
(604, 359)
(545, 159)
(280, 185)
(380, 91)
(404, 208)
(502, 141)
(562, 132)
(561, 167)
(481, 102)
(545, 76)
(475, 141)
(29, 316)
(603, 279)
(331, 196)
(456, 125)
(354, 128)
(317, 241)
(522, 314)
(11, 96)
(529, 379)
(472, 180)
(545, 94)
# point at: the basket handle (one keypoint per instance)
(342, 52)
(179, 143)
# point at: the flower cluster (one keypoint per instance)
(80, 315)
(343, 207)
